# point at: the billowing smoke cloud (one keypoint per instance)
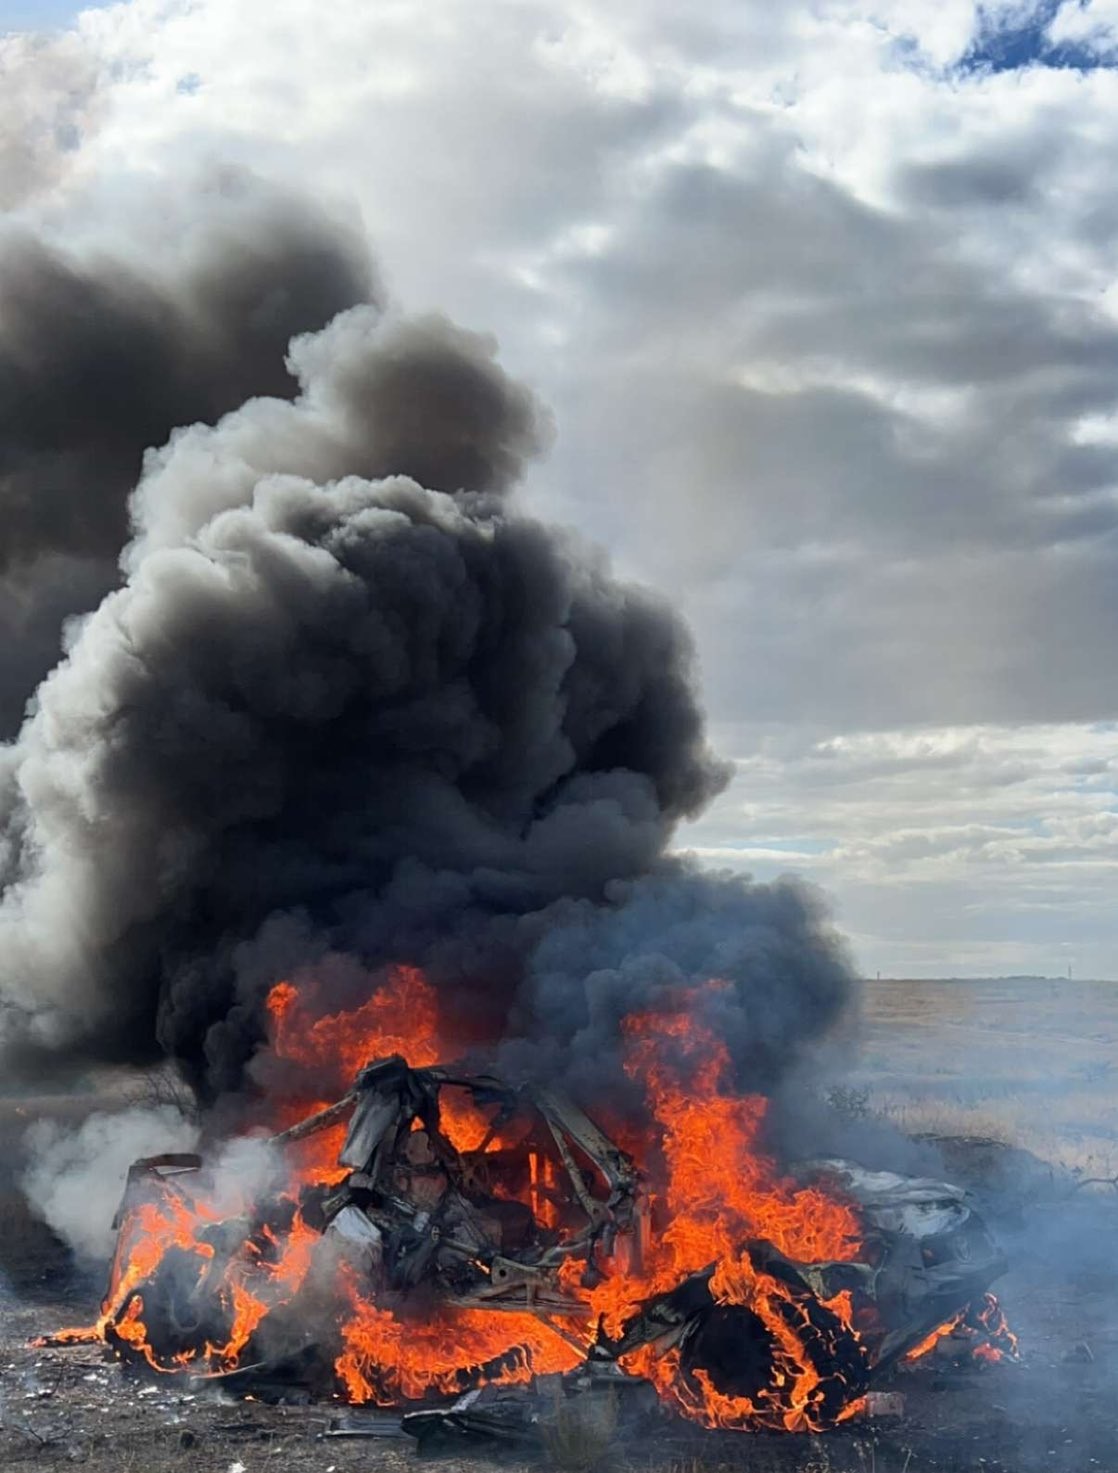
(352, 708)
(102, 357)
(75, 1177)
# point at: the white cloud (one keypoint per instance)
(968, 849)
(50, 95)
(1092, 23)
(830, 335)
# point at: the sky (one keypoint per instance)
(36, 15)
(822, 297)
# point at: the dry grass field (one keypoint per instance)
(1032, 1062)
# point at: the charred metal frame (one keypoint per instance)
(389, 1099)
(928, 1255)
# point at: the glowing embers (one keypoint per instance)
(979, 1331)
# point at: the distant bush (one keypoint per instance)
(850, 1101)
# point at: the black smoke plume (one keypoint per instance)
(353, 708)
(102, 357)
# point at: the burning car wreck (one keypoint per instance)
(474, 1232)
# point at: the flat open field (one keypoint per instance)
(1029, 1064)
(1030, 1061)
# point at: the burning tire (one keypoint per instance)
(730, 1351)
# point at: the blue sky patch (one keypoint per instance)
(1006, 43)
(36, 15)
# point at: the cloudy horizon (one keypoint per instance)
(821, 298)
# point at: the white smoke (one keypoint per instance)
(75, 1177)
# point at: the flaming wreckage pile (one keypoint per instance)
(439, 1231)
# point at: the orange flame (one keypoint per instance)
(388, 1359)
(983, 1329)
(710, 1188)
(717, 1190)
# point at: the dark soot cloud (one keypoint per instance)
(102, 358)
(351, 708)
